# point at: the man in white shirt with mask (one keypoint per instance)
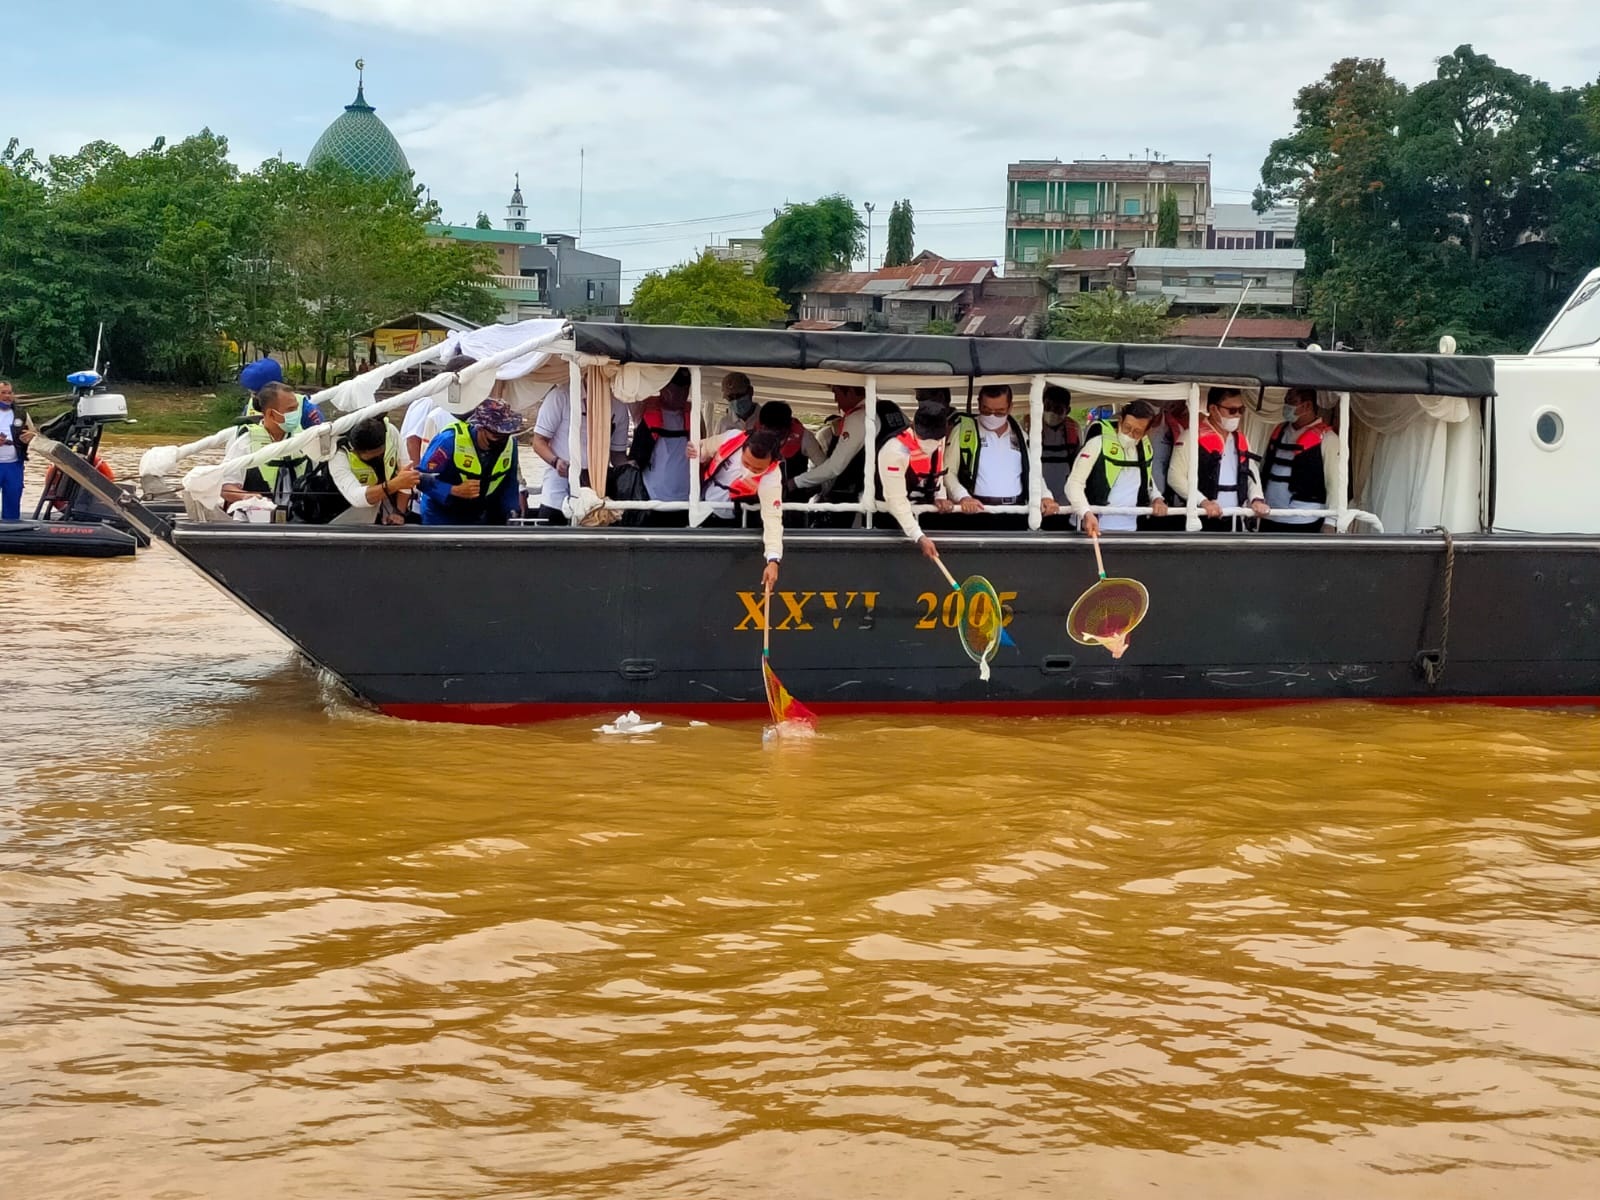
(988, 459)
(1115, 469)
(1227, 478)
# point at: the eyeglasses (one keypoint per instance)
(1233, 412)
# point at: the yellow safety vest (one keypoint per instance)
(1111, 456)
(362, 469)
(259, 440)
(470, 466)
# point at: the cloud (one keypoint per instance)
(695, 107)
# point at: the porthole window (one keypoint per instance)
(1548, 428)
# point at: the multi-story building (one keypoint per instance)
(1108, 204)
(963, 295)
(541, 274)
(1241, 227)
(1213, 279)
(746, 250)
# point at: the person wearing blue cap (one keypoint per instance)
(257, 375)
(469, 471)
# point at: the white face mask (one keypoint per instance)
(1129, 443)
(1054, 419)
(993, 422)
(1228, 424)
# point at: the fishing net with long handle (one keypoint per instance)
(1107, 613)
(982, 626)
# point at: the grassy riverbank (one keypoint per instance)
(163, 410)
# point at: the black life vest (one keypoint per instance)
(1298, 463)
(851, 481)
(1112, 462)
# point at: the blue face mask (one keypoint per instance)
(290, 422)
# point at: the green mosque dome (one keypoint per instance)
(359, 141)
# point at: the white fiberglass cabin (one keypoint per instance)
(1545, 427)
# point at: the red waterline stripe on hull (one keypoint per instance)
(531, 714)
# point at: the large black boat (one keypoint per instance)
(1471, 571)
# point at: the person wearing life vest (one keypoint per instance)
(739, 469)
(366, 469)
(257, 375)
(987, 460)
(1115, 469)
(470, 474)
(1227, 478)
(799, 449)
(841, 477)
(1301, 465)
(661, 447)
(270, 484)
(911, 470)
(1059, 440)
(15, 434)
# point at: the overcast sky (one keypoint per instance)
(699, 116)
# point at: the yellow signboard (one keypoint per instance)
(391, 344)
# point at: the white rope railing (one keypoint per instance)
(318, 441)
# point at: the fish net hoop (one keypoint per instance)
(785, 709)
(982, 619)
(1108, 610)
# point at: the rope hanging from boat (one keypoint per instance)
(1433, 664)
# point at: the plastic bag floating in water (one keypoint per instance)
(630, 723)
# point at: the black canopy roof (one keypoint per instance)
(921, 354)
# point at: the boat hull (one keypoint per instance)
(65, 539)
(519, 625)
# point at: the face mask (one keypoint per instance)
(1054, 419)
(743, 406)
(289, 422)
(1129, 443)
(1229, 424)
(993, 422)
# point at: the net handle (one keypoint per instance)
(945, 571)
(766, 624)
(1099, 562)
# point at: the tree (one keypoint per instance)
(707, 291)
(483, 221)
(1109, 316)
(1075, 242)
(900, 247)
(1167, 221)
(804, 240)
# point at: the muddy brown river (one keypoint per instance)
(257, 942)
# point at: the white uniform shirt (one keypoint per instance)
(418, 415)
(999, 464)
(893, 460)
(852, 440)
(1228, 475)
(553, 422)
(769, 491)
(1124, 490)
(10, 426)
(351, 488)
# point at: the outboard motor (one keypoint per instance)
(80, 429)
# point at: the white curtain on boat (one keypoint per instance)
(1418, 461)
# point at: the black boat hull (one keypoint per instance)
(512, 626)
(66, 539)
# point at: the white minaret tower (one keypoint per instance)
(516, 214)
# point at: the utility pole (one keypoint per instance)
(869, 206)
(580, 196)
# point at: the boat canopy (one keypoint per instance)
(923, 354)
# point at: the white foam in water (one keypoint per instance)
(788, 731)
(630, 723)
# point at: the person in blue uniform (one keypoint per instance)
(257, 375)
(469, 470)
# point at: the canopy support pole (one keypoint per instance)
(869, 465)
(574, 454)
(1036, 452)
(697, 403)
(1192, 506)
(1342, 505)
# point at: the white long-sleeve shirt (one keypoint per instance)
(1178, 470)
(344, 476)
(1124, 493)
(852, 440)
(717, 490)
(893, 460)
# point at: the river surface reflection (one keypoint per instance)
(258, 942)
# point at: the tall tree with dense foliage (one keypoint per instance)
(178, 254)
(1167, 221)
(1456, 207)
(483, 221)
(900, 247)
(804, 240)
(1108, 315)
(707, 291)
